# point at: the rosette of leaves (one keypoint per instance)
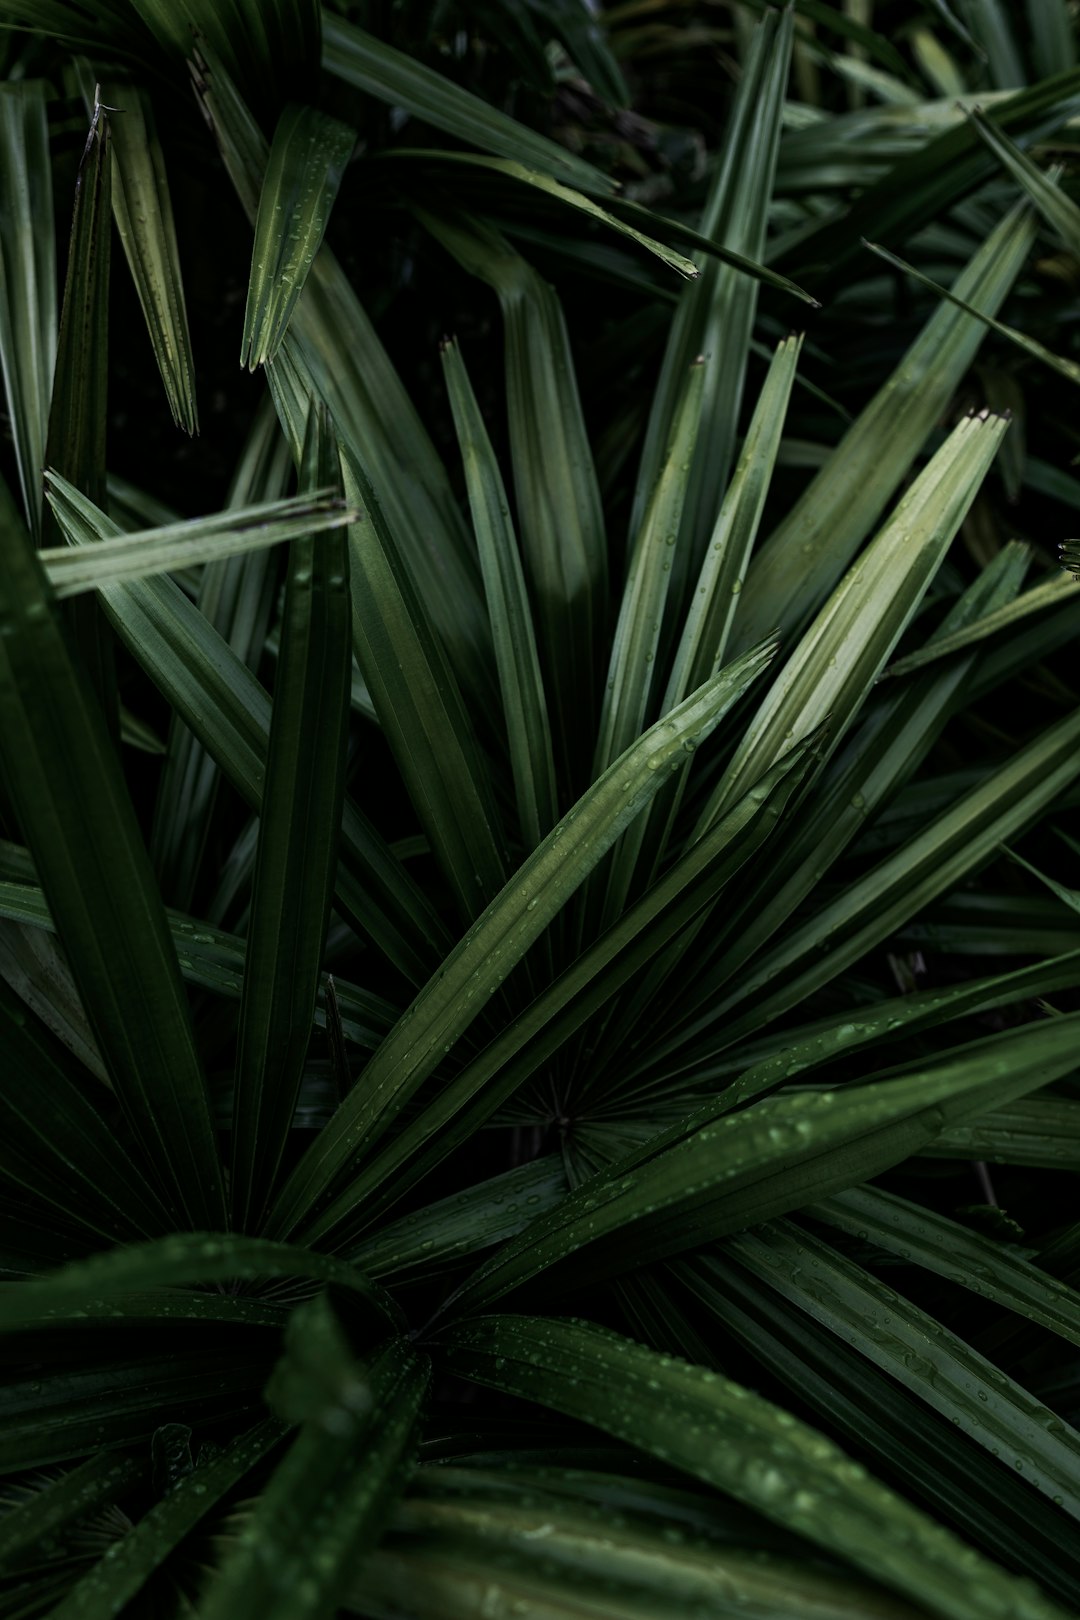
(499, 1058)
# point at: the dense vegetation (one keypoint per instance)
(538, 748)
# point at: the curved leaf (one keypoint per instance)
(733, 1439)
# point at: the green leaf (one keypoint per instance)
(996, 1412)
(177, 1260)
(520, 681)
(831, 670)
(271, 47)
(797, 1050)
(142, 208)
(986, 1501)
(577, 26)
(79, 408)
(989, 25)
(331, 1495)
(296, 858)
(229, 711)
(1057, 209)
(602, 1545)
(66, 784)
(235, 595)
(1065, 368)
(929, 864)
(64, 1414)
(455, 1227)
(713, 1175)
(216, 960)
(922, 1237)
(873, 762)
(741, 1444)
(331, 352)
(816, 540)
(1039, 1131)
(305, 168)
(76, 1494)
(33, 964)
(27, 281)
(420, 706)
(708, 621)
(108, 1587)
(941, 172)
(715, 316)
(636, 639)
(514, 920)
(1053, 42)
(72, 569)
(464, 1104)
(555, 189)
(377, 69)
(56, 1143)
(1047, 595)
(564, 543)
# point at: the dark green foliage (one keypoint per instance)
(503, 1111)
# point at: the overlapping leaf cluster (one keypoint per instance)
(542, 975)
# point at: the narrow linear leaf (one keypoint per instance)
(942, 171)
(56, 1143)
(272, 47)
(744, 1445)
(176, 1261)
(455, 1227)
(831, 669)
(296, 857)
(712, 607)
(514, 920)
(142, 208)
(711, 1175)
(420, 706)
(557, 190)
(78, 413)
(872, 764)
(815, 542)
(1040, 1131)
(182, 545)
(77, 1493)
(53, 1417)
(331, 352)
(331, 1495)
(1047, 595)
(924, 1238)
(215, 960)
(520, 680)
(27, 281)
(1058, 210)
(919, 1351)
(715, 316)
(236, 597)
(536, 1035)
(1065, 368)
(305, 168)
(921, 1452)
(229, 711)
(377, 69)
(799, 1050)
(72, 803)
(1053, 42)
(555, 1551)
(113, 1581)
(564, 545)
(932, 863)
(634, 645)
